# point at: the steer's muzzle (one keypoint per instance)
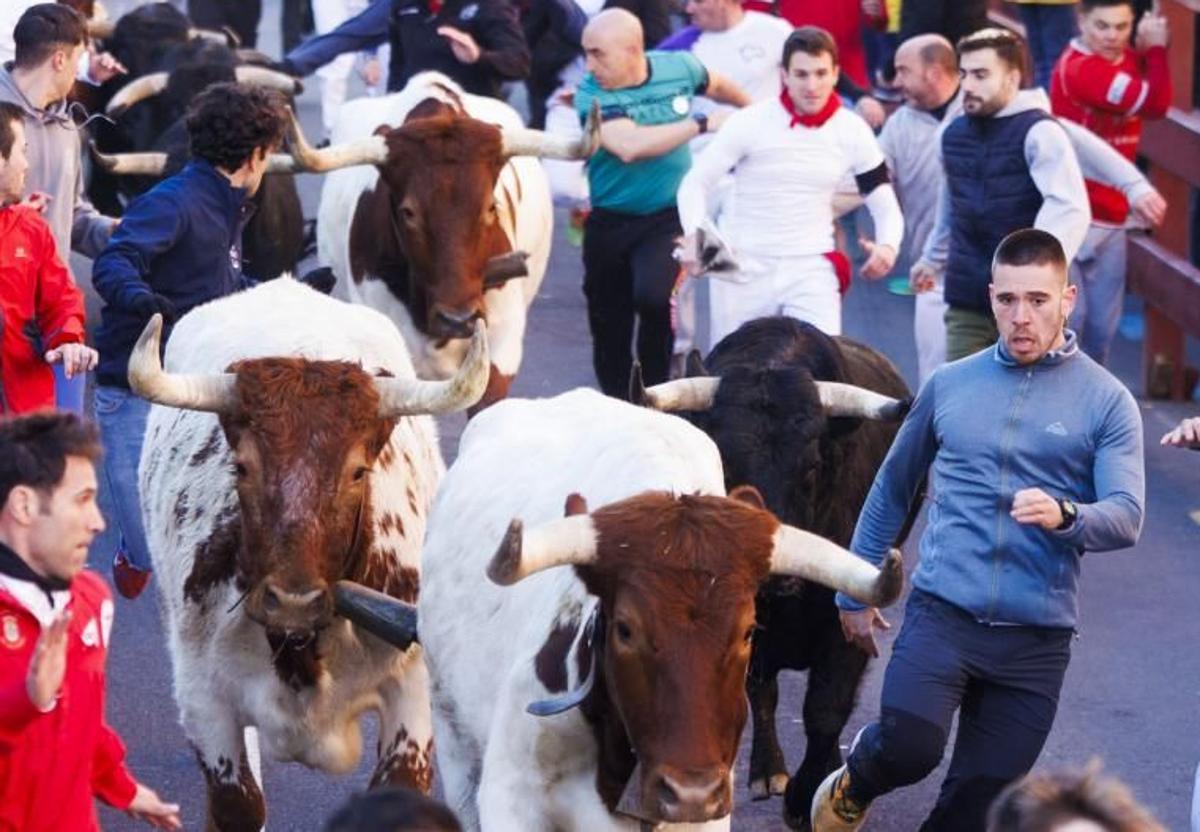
(448, 323)
(687, 796)
(295, 613)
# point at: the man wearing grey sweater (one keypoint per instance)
(1034, 454)
(1008, 165)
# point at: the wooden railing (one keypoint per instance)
(1162, 268)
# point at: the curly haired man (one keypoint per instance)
(178, 246)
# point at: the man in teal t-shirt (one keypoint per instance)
(646, 116)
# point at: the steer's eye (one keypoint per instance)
(360, 473)
(624, 632)
(749, 634)
(239, 469)
(407, 214)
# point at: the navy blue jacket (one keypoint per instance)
(181, 240)
(991, 194)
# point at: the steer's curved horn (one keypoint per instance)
(814, 558)
(411, 397)
(371, 150)
(282, 163)
(139, 89)
(225, 37)
(269, 78)
(122, 164)
(392, 620)
(556, 543)
(848, 400)
(525, 142)
(695, 393)
(212, 393)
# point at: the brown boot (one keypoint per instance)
(832, 808)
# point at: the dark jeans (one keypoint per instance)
(1003, 681)
(1048, 29)
(629, 272)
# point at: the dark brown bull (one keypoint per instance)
(676, 577)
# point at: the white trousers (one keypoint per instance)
(929, 331)
(335, 75)
(805, 288)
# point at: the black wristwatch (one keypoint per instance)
(701, 121)
(1070, 513)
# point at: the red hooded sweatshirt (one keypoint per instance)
(40, 309)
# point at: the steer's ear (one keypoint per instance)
(576, 504)
(749, 495)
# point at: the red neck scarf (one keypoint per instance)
(816, 119)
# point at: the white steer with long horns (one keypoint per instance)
(435, 200)
(588, 670)
(288, 466)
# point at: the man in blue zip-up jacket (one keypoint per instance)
(178, 246)
(1035, 456)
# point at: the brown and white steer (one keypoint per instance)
(433, 198)
(287, 452)
(633, 653)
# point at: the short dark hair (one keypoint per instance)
(45, 28)
(1030, 247)
(9, 114)
(811, 40)
(1043, 802)
(392, 810)
(1008, 45)
(1086, 6)
(34, 449)
(229, 121)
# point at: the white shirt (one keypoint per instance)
(748, 53)
(784, 179)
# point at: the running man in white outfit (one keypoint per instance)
(788, 156)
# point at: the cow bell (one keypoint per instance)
(380, 615)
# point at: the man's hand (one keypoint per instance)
(1185, 435)
(871, 111)
(38, 201)
(49, 663)
(686, 255)
(1151, 208)
(922, 277)
(464, 47)
(103, 66)
(718, 117)
(371, 72)
(1035, 506)
(75, 358)
(881, 257)
(149, 807)
(859, 628)
(1151, 31)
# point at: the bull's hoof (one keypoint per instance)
(759, 790)
(779, 783)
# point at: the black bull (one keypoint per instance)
(813, 471)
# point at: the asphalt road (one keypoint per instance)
(1130, 696)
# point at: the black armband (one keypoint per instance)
(872, 179)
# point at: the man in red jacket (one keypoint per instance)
(41, 309)
(56, 751)
(1109, 88)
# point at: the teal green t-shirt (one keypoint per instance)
(648, 185)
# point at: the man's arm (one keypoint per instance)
(1055, 171)
(1114, 521)
(366, 30)
(151, 226)
(1098, 84)
(886, 509)
(502, 45)
(631, 142)
(1100, 162)
(90, 229)
(1184, 435)
(60, 307)
(722, 154)
(725, 91)
(869, 166)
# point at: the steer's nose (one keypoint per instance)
(689, 796)
(450, 323)
(300, 611)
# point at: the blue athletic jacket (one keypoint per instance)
(991, 427)
(182, 240)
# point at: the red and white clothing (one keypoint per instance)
(40, 308)
(54, 763)
(779, 215)
(1111, 99)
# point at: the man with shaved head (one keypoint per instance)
(645, 103)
